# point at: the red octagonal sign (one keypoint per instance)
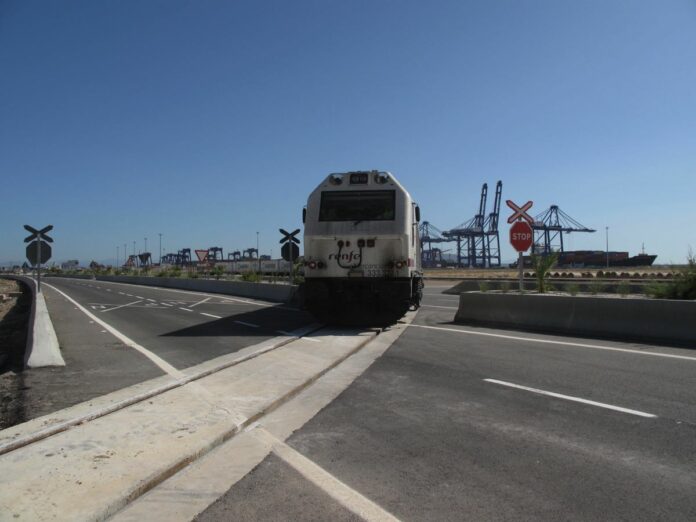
(521, 236)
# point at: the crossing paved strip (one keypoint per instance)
(574, 399)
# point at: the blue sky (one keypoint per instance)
(208, 121)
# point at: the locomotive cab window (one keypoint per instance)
(357, 205)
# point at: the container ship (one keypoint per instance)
(596, 259)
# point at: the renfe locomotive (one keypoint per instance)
(362, 259)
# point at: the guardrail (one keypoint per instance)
(42, 344)
(660, 321)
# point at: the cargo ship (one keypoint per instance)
(596, 259)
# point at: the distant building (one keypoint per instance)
(72, 264)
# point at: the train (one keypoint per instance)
(362, 253)
(265, 266)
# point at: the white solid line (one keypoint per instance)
(247, 324)
(436, 306)
(574, 399)
(200, 302)
(185, 309)
(122, 306)
(338, 490)
(161, 363)
(211, 315)
(551, 341)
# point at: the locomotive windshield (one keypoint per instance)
(357, 205)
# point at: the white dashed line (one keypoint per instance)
(139, 297)
(574, 399)
(252, 325)
(166, 304)
(153, 300)
(185, 309)
(211, 315)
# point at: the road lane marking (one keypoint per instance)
(305, 338)
(437, 306)
(551, 341)
(161, 363)
(574, 399)
(211, 315)
(189, 292)
(349, 498)
(185, 309)
(248, 324)
(139, 297)
(166, 304)
(121, 293)
(200, 302)
(153, 300)
(122, 306)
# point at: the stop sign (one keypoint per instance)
(521, 236)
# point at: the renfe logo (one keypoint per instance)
(346, 257)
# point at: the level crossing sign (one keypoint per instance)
(289, 250)
(38, 249)
(520, 212)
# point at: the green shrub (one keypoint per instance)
(251, 277)
(595, 287)
(505, 286)
(623, 288)
(682, 286)
(572, 288)
(542, 265)
(484, 286)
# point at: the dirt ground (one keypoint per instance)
(15, 307)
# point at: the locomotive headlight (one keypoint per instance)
(399, 265)
(336, 179)
(381, 178)
(312, 265)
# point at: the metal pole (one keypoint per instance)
(145, 245)
(116, 264)
(258, 257)
(38, 270)
(607, 232)
(289, 243)
(520, 265)
(160, 248)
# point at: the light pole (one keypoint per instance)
(125, 254)
(607, 233)
(160, 248)
(145, 246)
(258, 257)
(116, 264)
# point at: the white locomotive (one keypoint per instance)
(362, 261)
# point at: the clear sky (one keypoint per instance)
(208, 121)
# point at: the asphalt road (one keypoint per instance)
(425, 436)
(182, 328)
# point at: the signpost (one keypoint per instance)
(290, 250)
(38, 250)
(521, 233)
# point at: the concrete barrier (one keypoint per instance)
(42, 344)
(609, 286)
(659, 321)
(266, 291)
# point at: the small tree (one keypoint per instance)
(542, 265)
(218, 271)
